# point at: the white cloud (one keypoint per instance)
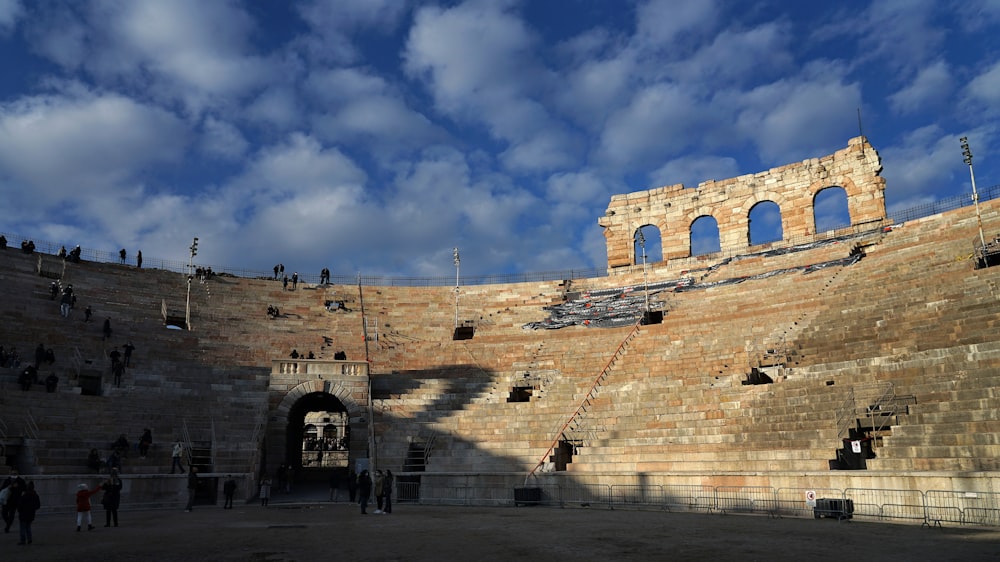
(931, 86)
(477, 61)
(188, 50)
(10, 12)
(661, 22)
(984, 90)
(659, 120)
(335, 22)
(60, 147)
(926, 158)
(692, 170)
(277, 106)
(800, 117)
(223, 139)
(353, 104)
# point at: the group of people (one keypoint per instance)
(19, 500)
(120, 360)
(122, 255)
(73, 255)
(111, 501)
(382, 486)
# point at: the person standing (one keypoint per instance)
(13, 487)
(352, 486)
(265, 491)
(112, 498)
(364, 490)
(334, 485)
(138, 259)
(387, 485)
(192, 487)
(122, 255)
(145, 442)
(26, 509)
(229, 489)
(83, 506)
(379, 481)
(175, 454)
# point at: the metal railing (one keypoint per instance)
(88, 254)
(931, 508)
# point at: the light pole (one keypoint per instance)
(645, 283)
(187, 308)
(967, 153)
(457, 262)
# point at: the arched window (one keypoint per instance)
(765, 223)
(647, 242)
(705, 236)
(830, 210)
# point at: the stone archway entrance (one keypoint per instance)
(311, 400)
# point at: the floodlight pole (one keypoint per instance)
(967, 153)
(457, 262)
(187, 307)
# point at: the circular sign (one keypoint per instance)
(810, 495)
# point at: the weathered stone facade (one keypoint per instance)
(793, 187)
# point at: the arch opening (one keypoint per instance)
(765, 223)
(647, 242)
(704, 236)
(318, 436)
(830, 209)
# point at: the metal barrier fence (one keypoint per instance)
(87, 254)
(932, 508)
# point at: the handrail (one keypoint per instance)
(181, 266)
(586, 399)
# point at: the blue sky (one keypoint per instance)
(374, 136)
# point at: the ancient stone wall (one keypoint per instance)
(793, 187)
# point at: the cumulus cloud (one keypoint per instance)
(658, 121)
(803, 116)
(352, 104)
(662, 22)
(222, 139)
(476, 59)
(333, 23)
(931, 86)
(10, 12)
(60, 147)
(692, 170)
(984, 90)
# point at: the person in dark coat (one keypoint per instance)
(26, 509)
(112, 498)
(229, 489)
(364, 490)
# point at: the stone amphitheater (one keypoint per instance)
(856, 367)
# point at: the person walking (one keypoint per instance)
(112, 498)
(26, 509)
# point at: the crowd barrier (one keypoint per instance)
(931, 508)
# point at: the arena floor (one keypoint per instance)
(327, 531)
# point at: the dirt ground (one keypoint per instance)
(327, 531)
